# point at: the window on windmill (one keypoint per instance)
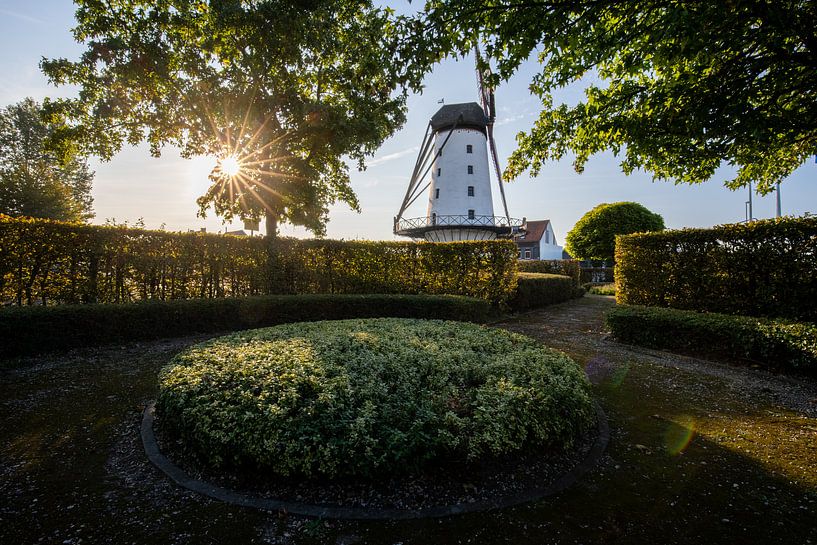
(470, 191)
(437, 193)
(439, 170)
(470, 169)
(471, 214)
(469, 149)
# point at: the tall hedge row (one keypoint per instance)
(763, 268)
(48, 262)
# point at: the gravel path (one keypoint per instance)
(578, 329)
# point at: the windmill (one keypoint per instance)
(458, 150)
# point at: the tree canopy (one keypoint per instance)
(288, 90)
(678, 88)
(594, 235)
(33, 180)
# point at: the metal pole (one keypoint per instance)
(777, 190)
(751, 215)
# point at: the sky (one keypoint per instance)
(162, 192)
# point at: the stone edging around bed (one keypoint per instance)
(369, 513)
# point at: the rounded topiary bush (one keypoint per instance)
(361, 397)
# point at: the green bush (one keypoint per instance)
(36, 329)
(535, 290)
(594, 235)
(48, 262)
(601, 289)
(777, 344)
(368, 397)
(566, 267)
(763, 268)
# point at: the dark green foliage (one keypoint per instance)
(291, 89)
(34, 181)
(594, 235)
(674, 88)
(777, 344)
(566, 267)
(764, 268)
(370, 397)
(535, 290)
(34, 329)
(54, 262)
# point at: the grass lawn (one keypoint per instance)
(699, 452)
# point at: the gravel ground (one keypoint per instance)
(700, 452)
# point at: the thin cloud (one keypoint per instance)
(21, 16)
(392, 156)
(507, 120)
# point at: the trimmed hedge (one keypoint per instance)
(370, 397)
(566, 267)
(35, 329)
(777, 344)
(535, 290)
(763, 268)
(47, 262)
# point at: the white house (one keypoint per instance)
(538, 241)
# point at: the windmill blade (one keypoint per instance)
(495, 159)
(422, 159)
(413, 191)
(486, 93)
(486, 96)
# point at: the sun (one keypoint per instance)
(230, 166)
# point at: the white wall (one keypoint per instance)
(454, 179)
(548, 249)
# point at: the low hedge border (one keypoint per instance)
(566, 267)
(37, 329)
(536, 290)
(778, 345)
(183, 479)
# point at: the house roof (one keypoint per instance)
(473, 116)
(239, 233)
(535, 230)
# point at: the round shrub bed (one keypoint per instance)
(365, 397)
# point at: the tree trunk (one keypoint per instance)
(272, 224)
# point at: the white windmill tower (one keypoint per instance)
(457, 150)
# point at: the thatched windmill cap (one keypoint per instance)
(473, 117)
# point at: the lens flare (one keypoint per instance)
(679, 435)
(230, 166)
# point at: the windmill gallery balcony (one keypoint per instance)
(418, 227)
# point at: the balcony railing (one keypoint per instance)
(413, 227)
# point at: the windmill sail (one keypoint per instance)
(486, 96)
